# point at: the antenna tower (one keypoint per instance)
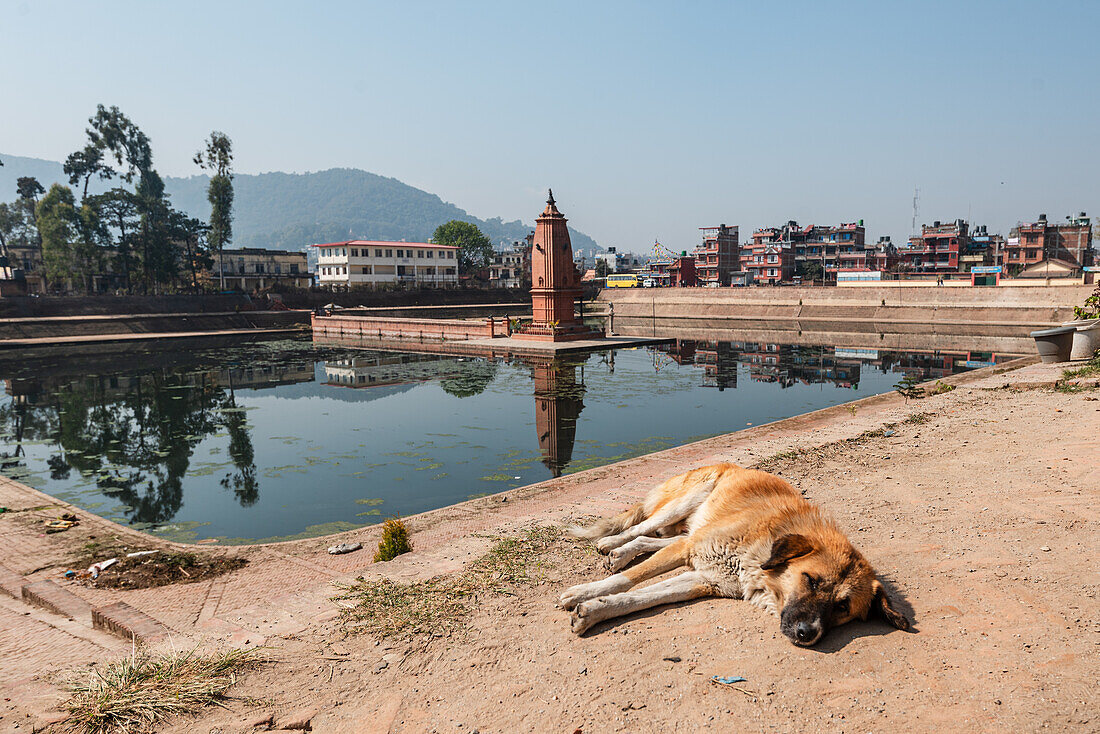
(916, 198)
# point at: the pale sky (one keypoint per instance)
(649, 119)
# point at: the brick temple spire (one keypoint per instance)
(554, 281)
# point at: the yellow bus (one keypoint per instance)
(622, 280)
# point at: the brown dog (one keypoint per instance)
(746, 535)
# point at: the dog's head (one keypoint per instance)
(821, 581)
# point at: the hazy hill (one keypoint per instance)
(289, 210)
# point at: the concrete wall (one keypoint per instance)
(84, 326)
(1001, 311)
(346, 325)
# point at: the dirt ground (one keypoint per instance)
(980, 509)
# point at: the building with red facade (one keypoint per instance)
(768, 258)
(717, 256)
(1033, 242)
(936, 249)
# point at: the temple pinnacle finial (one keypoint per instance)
(550, 200)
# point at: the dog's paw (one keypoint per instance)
(573, 596)
(608, 544)
(583, 617)
(617, 559)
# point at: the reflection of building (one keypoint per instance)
(719, 361)
(375, 369)
(558, 404)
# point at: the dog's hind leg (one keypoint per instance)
(670, 514)
(624, 554)
(671, 556)
(688, 585)
(610, 525)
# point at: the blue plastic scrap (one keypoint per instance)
(728, 680)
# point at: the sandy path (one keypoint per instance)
(981, 510)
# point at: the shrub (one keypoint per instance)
(395, 540)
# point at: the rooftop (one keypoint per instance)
(384, 243)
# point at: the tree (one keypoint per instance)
(474, 248)
(218, 158)
(29, 189)
(811, 271)
(57, 226)
(118, 211)
(602, 268)
(83, 164)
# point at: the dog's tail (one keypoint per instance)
(609, 525)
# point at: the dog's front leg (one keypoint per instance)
(688, 585)
(621, 556)
(671, 556)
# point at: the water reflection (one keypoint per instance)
(259, 440)
(132, 436)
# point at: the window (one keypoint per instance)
(420, 254)
(294, 268)
(401, 253)
(389, 253)
(378, 253)
(366, 270)
(355, 252)
(773, 258)
(450, 254)
(259, 268)
(343, 252)
(278, 269)
(430, 254)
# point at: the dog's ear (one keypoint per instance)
(881, 606)
(786, 549)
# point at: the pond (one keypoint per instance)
(283, 439)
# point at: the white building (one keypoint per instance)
(367, 263)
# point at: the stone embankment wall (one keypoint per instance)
(1001, 311)
(63, 328)
(26, 306)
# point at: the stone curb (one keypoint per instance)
(11, 583)
(123, 620)
(50, 596)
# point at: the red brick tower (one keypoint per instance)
(554, 282)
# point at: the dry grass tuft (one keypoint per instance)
(135, 694)
(441, 606)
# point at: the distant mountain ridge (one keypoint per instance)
(287, 211)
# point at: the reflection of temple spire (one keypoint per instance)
(558, 405)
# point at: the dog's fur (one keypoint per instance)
(742, 534)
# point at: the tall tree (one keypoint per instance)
(28, 189)
(475, 250)
(117, 210)
(86, 163)
(58, 223)
(218, 159)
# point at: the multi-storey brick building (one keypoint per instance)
(717, 256)
(936, 249)
(1032, 242)
(818, 251)
(769, 258)
(370, 263)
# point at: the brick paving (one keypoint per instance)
(286, 587)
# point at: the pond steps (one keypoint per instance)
(119, 619)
